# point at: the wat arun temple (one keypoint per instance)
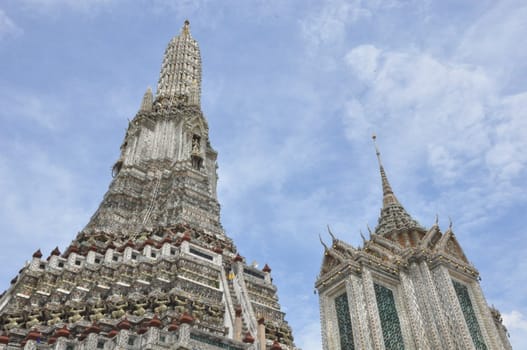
(154, 269)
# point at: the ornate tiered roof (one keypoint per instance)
(393, 215)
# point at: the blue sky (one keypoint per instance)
(292, 91)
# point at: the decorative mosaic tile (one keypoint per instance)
(470, 315)
(391, 327)
(344, 322)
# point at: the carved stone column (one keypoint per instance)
(435, 308)
(124, 333)
(152, 336)
(359, 315)
(261, 333)
(416, 323)
(324, 322)
(91, 341)
(450, 303)
(485, 319)
(238, 324)
(184, 331)
(61, 344)
(371, 307)
(30, 345)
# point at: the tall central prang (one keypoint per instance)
(166, 173)
(153, 268)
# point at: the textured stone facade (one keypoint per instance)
(407, 288)
(153, 268)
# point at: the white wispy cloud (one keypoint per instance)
(54, 207)
(41, 205)
(309, 336)
(328, 25)
(493, 40)
(54, 5)
(7, 26)
(187, 7)
(453, 111)
(506, 157)
(25, 106)
(517, 322)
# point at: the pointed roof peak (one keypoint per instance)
(387, 192)
(393, 215)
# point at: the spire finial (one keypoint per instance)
(374, 138)
(186, 28)
(388, 196)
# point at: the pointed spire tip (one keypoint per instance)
(377, 152)
(186, 27)
(388, 196)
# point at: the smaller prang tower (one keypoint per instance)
(407, 288)
(153, 268)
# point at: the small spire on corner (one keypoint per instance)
(148, 100)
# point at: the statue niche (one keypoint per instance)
(195, 154)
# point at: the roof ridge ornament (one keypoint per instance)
(331, 234)
(322, 242)
(362, 236)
